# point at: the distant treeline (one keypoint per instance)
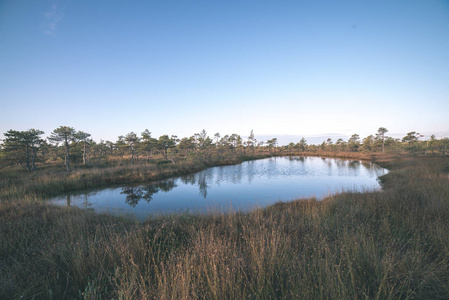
(28, 149)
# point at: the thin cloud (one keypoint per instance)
(53, 17)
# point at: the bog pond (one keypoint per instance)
(241, 187)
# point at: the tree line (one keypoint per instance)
(27, 148)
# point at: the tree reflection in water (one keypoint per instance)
(287, 177)
(188, 179)
(135, 194)
(86, 202)
(353, 164)
(202, 180)
(85, 197)
(202, 184)
(166, 185)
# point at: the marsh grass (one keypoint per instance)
(391, 244)
(54, 181)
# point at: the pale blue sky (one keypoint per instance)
(305, 68)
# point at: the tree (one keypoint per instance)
(148, 143)
(272, 144)
(411, 140)
(443, 145)
(82, 136)
(110, 146)
(291, 146)
(381, 135)
(131, 140)
(412, 137)
(329, 144)
(32, 136)
(354, 142)
(340, 143)
(164, 143)
(120, 145)
(102, 148)
(44, 149)
(201, 139)
(232, 140)
(239, 143)
(252, 141)
(187, 144)
(224, 145)
(66, 135)
(217, 138)
(302, 144)
(203, 142)
(21, 147)
(368, 143)
(432, 144)
(174, 141)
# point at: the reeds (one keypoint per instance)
(390, 244)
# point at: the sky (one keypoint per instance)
(280, 68)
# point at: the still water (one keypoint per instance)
(239, 187)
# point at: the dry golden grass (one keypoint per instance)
(379, 245)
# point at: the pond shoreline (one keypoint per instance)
(51, 184)
(351, 245)
(259, 182)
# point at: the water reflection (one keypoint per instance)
(188, 179)
(86, 203)
(202, 184)
(84, 199)
(273, 169)
(263, 182)
(134, 194)
(354, 164)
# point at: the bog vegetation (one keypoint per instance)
(28, 148)
(390, 244)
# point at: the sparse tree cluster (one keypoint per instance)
(27, 148)
(378, 142)
(21, 147)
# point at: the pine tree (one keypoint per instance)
(66, 135)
